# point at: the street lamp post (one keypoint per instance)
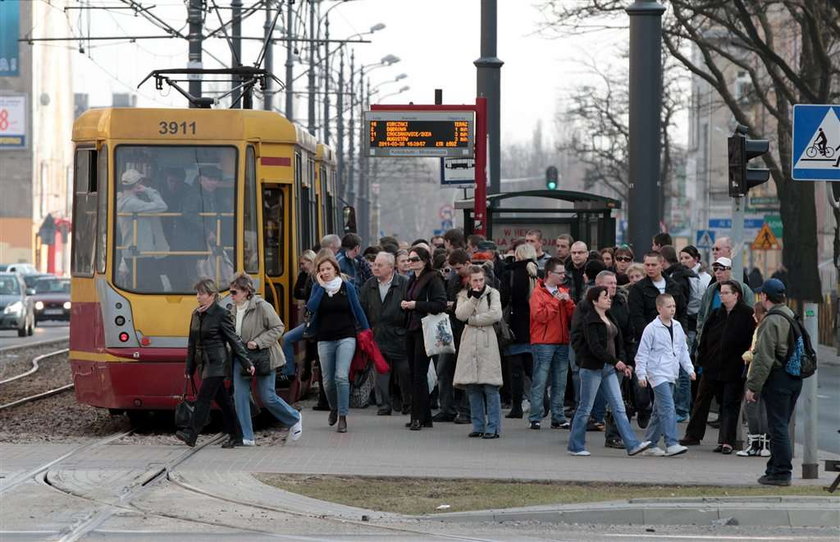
(290, 105)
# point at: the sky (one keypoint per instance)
(436, 41)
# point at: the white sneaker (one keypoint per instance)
(248, 442)
(656, 451)
(582, 453)
(640, 447)
(676, 449)
(297, 429)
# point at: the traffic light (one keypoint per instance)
(551, 178)
(741, 151)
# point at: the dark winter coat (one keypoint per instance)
(429, 293)
(725, 338)
(619, 312)
(386, 317)
(211, 332)
(592, 350)
(642, 301)
(518, 282)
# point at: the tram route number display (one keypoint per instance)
(419, 133)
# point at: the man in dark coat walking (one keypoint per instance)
(380, 298)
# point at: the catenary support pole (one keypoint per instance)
(195, 38)
(488, 85)
(268, 93)
(339, 128)
(290, 52)
(351, 154)
(310, 124)
(810, 465)
(645, 123)
(236, 50)
(327, 76)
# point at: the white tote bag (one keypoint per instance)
(437, 334)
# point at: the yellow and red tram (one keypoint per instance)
(163, 197)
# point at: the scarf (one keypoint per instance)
(333, 286)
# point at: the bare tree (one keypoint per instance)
(788, 48)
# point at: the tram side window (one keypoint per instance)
(303, 206)
(102, 212)
(273, 231)
(251, 248)
(84, 212)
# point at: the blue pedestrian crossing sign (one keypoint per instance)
(705, 238)
(816, 143)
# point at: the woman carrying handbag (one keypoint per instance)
(211, 333)
(425, 294)
(260, 329)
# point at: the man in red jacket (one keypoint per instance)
(551, 315)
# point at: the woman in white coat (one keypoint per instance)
(479, 366)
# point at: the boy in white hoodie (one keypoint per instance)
(662, 350)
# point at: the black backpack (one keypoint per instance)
(802, 358)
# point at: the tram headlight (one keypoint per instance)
(39, 305)
(13, 308)
(67, 305)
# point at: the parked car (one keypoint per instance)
(23, 268)
(17, 310)
(52, 299)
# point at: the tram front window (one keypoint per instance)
(174, 217)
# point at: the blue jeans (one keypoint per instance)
(779, 395)
(279, 408)
(663, 421)
(289, 339)
(682, 394)
(485, 397)
(575, 368)
(549, 360)
(335, 358)
(599, 408)
(590, 381)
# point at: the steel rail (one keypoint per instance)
(35, 365)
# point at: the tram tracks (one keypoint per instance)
(21, 391)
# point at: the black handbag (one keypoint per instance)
(261, 360)
(186, 407)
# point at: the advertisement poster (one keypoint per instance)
(12, 121)
(9, 24)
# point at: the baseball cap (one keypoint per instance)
(773, 287)
(131, 177)
(723, 261)
(486, 246)
(211, 172)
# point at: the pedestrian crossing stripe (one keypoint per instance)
(766, 239)
(816, 142)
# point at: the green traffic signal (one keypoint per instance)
(551, 176)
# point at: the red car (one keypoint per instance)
(52, 299)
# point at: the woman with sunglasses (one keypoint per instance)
(260, 328)
(337, 315)
(622, 259)
(425, 295)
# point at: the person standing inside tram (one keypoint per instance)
(140, 234)
(212, 331)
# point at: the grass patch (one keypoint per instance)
(413, 496)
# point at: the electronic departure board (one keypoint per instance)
(420, 133)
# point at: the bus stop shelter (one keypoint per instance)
(586, 217)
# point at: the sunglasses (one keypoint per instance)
(623, 259)
(234, 292)
(415, 259)
(720, 268)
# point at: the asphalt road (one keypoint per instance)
(828, 405)
(44, 331)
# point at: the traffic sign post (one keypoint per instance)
(816, 143)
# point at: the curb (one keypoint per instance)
(758, 511)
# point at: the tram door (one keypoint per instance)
(276, 219)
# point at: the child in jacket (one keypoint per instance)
(663, 348)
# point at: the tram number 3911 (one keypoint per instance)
(176, 128)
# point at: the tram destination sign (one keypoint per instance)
(444, 134)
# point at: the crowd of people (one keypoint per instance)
(584, 339)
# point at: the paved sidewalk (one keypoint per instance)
(827, 355)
